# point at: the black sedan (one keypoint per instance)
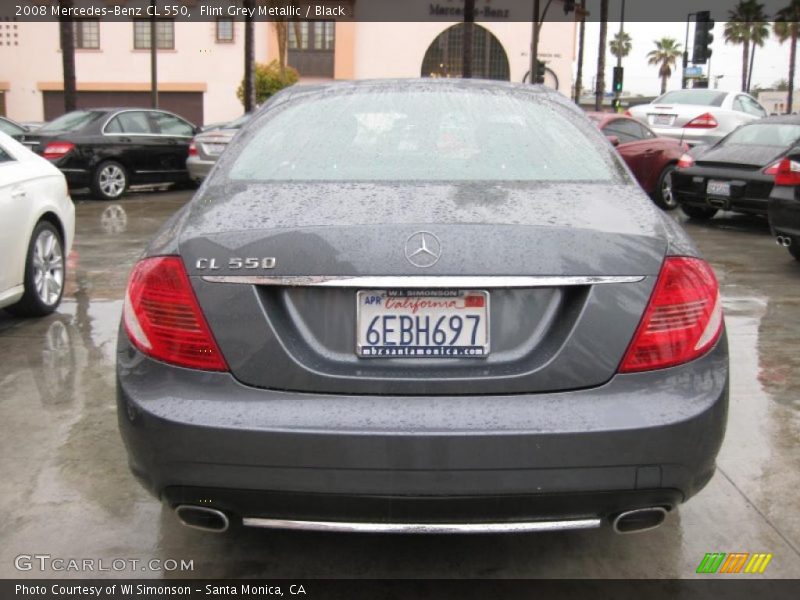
(109, 149)
(784, 205)
(738, 172)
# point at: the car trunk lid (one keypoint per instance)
(293, 324)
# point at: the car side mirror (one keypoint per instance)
(613, 139)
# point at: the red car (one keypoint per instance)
(651, 158)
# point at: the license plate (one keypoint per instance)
(663, 119)
(718, 188)
(214, 149)
(422, 323)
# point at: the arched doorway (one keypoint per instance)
(444, 55)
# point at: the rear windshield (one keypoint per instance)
(700, 97)
(237, 123)
(71, 121)
(765, 134)
(412, 135)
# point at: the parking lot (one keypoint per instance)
(68, 492)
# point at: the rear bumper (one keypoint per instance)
(749, 190)
(198, 168)
(639, 440)
(691, 136)
(77, 178)
(784, 214)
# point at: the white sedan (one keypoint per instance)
(37, 225)
(698, 116)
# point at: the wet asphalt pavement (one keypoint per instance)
(67, 492)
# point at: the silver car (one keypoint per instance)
(698, 116)
(207, 146)
(422, 306)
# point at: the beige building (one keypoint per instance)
(775, 102)
(200, 64)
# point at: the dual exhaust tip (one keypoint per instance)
(209, 519)
(783, 240)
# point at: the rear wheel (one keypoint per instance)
(698, 212)
(110, 180)
(663, 195)
(44, 273)
(794, 249)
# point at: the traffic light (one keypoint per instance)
(703, 37)
(540, 69)
(618, 72)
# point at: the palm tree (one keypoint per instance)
(667, 52)
(249, 59)
(786, 27)
(621, 45)
(746, 24)
(581, 31)
(67, 35)
(601, 56)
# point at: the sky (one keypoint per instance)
(771, 61)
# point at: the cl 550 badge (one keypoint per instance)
(236, 262)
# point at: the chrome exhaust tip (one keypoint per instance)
(783, 240)
(641, 519)
(202, 518)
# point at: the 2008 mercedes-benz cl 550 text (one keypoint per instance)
(422, 306)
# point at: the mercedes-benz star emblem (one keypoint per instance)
(423, 249)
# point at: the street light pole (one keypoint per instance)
(686, 52)
(153, 58)
(619, 54)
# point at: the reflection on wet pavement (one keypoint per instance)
(67, 491)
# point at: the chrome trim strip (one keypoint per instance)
(421, 281)
(157, 110)
(342, 526)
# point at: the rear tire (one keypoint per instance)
(110, 180)
(794, 249)
(663, 195)
(45, 271)
(700, 213)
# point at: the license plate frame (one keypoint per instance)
(409, 303)
(663, 119)
(718, 188)
(213, 148)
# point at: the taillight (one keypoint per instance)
(704, 121)
(685, 161)
(192, 149)
(163, 319)
(682, 321)
(787, 173)
(628, 113)
(773, 168)
(55, 150)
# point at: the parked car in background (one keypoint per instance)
(110, 149)
(737, 173)
(37, 223)
(423, 306)
(207, 146)
(11, 128)
(784, 204)
(700, 116)
(652, 159)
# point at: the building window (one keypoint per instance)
(165, 34)
(444, 57)
(224, 30)
(312, 35)
(87, 34)
(311, 47)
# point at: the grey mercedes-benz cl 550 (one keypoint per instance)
(422, 306)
